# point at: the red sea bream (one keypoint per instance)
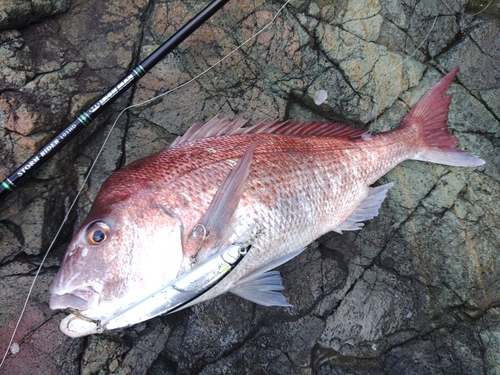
(293, 183)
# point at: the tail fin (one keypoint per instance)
(430, 115)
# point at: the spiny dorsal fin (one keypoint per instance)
(220, 127)
(319, 129)
(212, 128)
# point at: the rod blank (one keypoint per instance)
(19, 176)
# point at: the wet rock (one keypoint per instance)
(415, 292)
(41, 349)
(20, 13)
(15, 61)
(437, 353)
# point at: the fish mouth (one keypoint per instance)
(79, 299)
(79, 326)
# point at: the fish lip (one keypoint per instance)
(74, 326)
(79, 299)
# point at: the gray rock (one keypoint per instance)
(16, 14)
(415, 292)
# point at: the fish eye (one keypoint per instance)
(97, 233)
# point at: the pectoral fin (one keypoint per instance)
(262, 286)
(367, 210)
(217, 225)
(227, 197)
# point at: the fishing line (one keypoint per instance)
(419, 46)
(429, 33)
(425, 39)
(482, 10)
(82, 186)
(377, 104)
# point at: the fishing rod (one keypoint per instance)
(84, 119)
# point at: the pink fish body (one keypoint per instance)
(149, 223)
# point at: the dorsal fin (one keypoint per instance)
(212, 128)
(318, 129)
(220, 127)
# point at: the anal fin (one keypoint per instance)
(262, 287)
(367, 210)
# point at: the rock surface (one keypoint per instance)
(417, 291)
(21, 13)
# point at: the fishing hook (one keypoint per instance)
(77, 315)
(206, 237)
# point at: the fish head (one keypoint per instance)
(122, 253)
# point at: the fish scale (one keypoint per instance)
(287, 182)
(311, 190)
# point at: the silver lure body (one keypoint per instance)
(172, 297)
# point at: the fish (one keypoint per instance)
(287, 182)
